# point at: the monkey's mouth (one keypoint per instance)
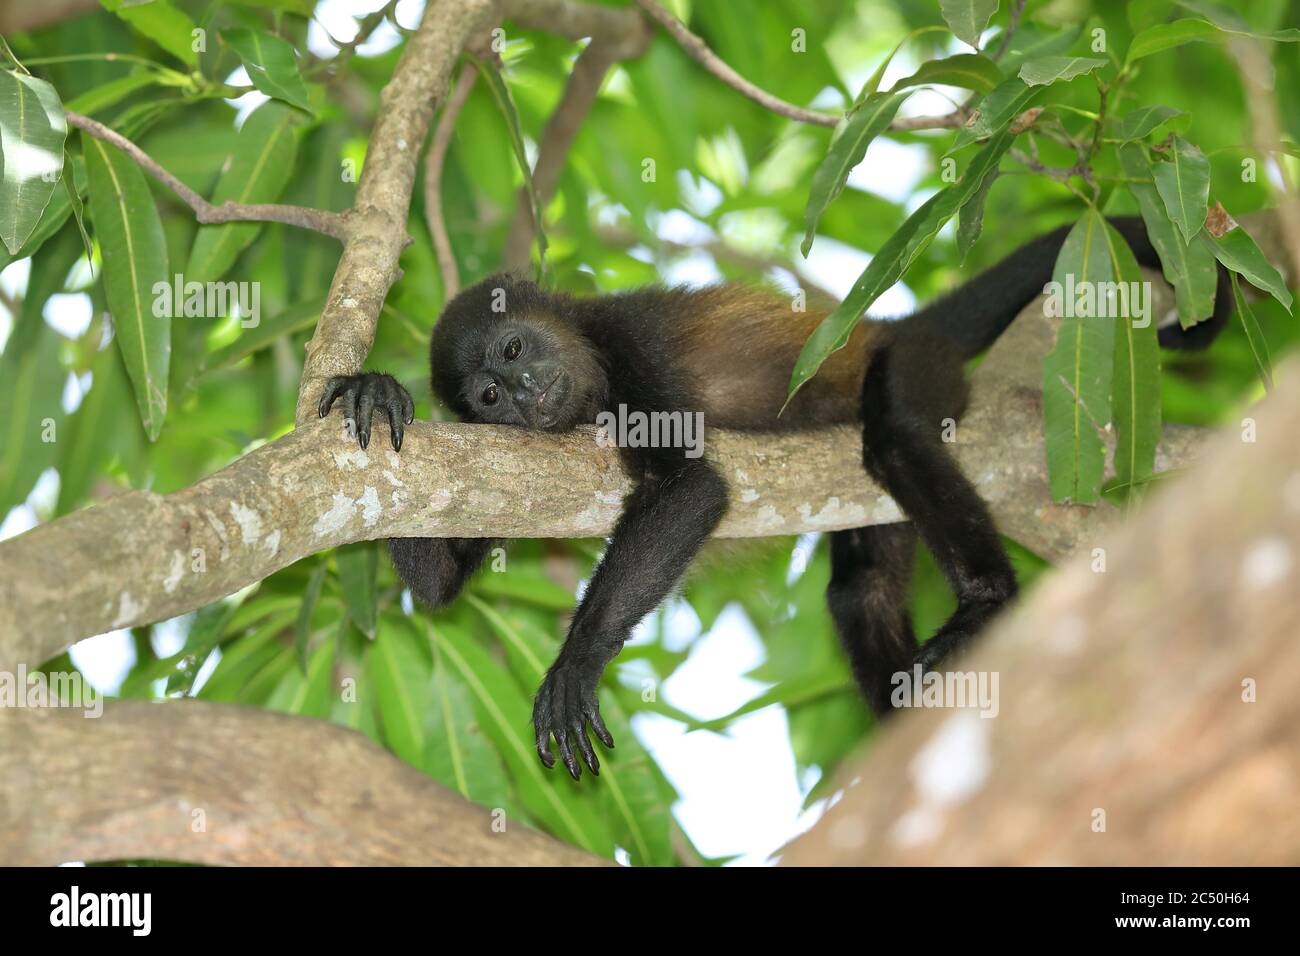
(550, 401)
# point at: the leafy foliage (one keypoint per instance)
(1139, 104)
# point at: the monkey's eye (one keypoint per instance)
(513, 348)
(491, 394)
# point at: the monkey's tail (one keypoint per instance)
(974, 315)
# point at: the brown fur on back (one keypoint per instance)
(738, 346)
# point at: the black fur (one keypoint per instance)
(973, 316)
(507, 352)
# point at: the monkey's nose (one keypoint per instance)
(528, 382)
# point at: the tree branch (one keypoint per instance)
(699, 51)
(330, 223)
(17, 16)
(1012, 24)
(579, 95)
(369, 264)
(1123, 692)
(433, 163)
(261, 788)
(143, 557)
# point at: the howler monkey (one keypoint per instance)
(507, 352)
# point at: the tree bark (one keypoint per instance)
(227, 785)
(1125, 697)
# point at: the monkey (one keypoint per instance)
(507, 352)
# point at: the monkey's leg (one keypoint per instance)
(870, 572)
(435, 569)
(663, 524)
(913, 388)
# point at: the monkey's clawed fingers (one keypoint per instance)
(565, 705)
(362, 395)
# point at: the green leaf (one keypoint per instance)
(528, 650)
(1142, 121)
(529, 587)
(968, 18)
(99, 425)
(1047, 70)
(31, 408)
(970, 220)
(302, 627)
(56, 214)
(1236, 250)
(1077, 372)
(1028, 43)
(504, 713)
(206, 630)
(1184, 185)
(244, 658)
(1190, 267)
(170, 28)
(894, 258)
(78, 211)
(847, 150)
(303, 8)
(1166, 36)
(114, 91)
(402, 677)
(506, 104)
(261, 164)
(873, 82)
(995, 111)
(637, 807)
(457, 752)
(971, 71)
(308, 692)
(32, 131)
(1136, 381)
(295, 318)
(272, 65)
(135, 260)
(1254, 334)
(357, 566)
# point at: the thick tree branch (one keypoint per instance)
(330, 223)
(574, 19)
(368, 266)
(228, 785)
(1148, 713)
(143, 557)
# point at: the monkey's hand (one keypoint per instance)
(564, 706)
(364, 394)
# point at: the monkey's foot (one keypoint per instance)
(564, 706)
(364, 394)
(943, 650)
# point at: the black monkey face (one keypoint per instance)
(504, 353)
(522, 379)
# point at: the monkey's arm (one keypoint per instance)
(435, 569)
(664, 522)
